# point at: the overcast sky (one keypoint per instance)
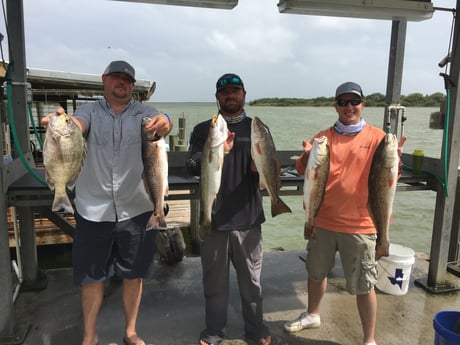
(186, 49)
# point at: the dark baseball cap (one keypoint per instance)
(349, 87)
(121, 66)
(229, 80)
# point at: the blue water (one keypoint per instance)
(412, 211)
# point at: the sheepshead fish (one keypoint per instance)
(316, 175)
(383, 177)
(64, 151)
(263, 153)
(212, 162)
(155, 175)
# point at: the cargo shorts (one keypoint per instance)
(101, 247)
(357, 253)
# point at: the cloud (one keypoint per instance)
(185, 49)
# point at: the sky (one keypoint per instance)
(185, 49)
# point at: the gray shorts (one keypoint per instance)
(100, 246)
(357, 253)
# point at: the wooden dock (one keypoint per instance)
(48, 233)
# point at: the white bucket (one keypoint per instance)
(394, 270)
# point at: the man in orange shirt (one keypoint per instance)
(343, 222)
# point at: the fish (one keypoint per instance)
(212, 162)
(155, 175)
(316, 176)
(64, 151)
(383, 177)
(263, 153)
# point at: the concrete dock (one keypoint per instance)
(172, 309)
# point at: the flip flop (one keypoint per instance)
(137, 341)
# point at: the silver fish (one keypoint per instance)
(212, 162)
(155, 175)
(316, 175)
(383, 178)
(64, 151)
(263, 153)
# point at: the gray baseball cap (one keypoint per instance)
(121, 66)
(349, 87)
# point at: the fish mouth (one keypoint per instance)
(214, 120)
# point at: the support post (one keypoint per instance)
(394, 78)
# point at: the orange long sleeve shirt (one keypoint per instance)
(344, 207)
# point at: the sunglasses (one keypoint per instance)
(229, 81)
(345, 102)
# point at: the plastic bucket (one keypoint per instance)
(394, 270)
(443, 324)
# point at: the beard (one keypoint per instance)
(231, 106)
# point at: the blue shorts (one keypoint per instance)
(99, 246)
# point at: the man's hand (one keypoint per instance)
(160, 124)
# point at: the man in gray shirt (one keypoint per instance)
(112, 205)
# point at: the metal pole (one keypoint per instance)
(11, 332)
(445, 205)
(394, 79)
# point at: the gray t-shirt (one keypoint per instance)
(110, 186)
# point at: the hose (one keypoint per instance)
(13, 128)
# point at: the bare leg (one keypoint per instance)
(91, 298)
(132, 293)
(367, 307)
(316, 291)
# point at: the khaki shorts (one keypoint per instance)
(357, 253)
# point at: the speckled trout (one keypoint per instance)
(316, 175)
(155, 175)
(64, 151)
(212, 162)
(263, 153)
(383, 178)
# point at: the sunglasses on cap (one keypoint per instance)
(345, 102)
(228, 81)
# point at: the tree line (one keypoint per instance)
(372, 100)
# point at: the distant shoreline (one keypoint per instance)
(373, 100)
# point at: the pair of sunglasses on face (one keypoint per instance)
(345, 102)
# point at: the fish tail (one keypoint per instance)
(205, 228)
(308, 231)
(279, 207)
(62, 202)
(156, 222)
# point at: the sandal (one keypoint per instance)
(209, 340)
(136, 341)
(204, 342)
(261, 341)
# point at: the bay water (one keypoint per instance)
(413, 211)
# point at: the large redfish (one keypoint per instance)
(316, 175)
(383, 178)
(212, 162)
(64, 151)
(155, 175)
(263, 153)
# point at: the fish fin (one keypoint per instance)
(315, 173)
(258, 148)
(262, 185)
(279, 207)
(278, 173)
(62, 202)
